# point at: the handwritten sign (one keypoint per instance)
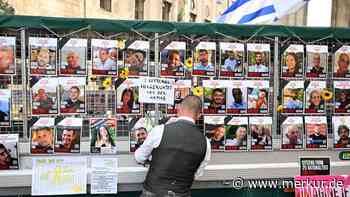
(157, 90)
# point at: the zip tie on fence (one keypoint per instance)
(51, 31)
(77, 31)
(140, 34)
(295, 35)
(229, 37)
(160, 36)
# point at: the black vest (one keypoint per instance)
(176, 160)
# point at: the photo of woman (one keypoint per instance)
(293, 61)
(236, 133)
(103, 135)
(215, 131)
(127, 97)
(314, 101)
(9, 152)
(341, 96)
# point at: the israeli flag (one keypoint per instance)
(259, 11)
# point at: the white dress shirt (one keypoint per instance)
(153, 140)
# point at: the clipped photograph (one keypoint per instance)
(236, 131)
(316, 132)
(293, 61)
(258, 58)
(42, 134)
(7, 55)
(128, 97)
(103, 135)
(44, 99)
(73, 57)
(292, 135)
(314, 98)
(68, 135)
(258, 96)
(172, 59)
(231, 59)
(236, 97)
(204, 59)
(43, 56)
(316, 61)
(5, 108)
(72, 95)
(341, 96)
(9, 156)
(214, 128)
(104, 53)
(138, 132)
(182, 89)
(341, 132)
(214, 97)
(292, 96)
(341, 62)
(136, 58)
(261, 133)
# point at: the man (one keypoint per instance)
(217, 100)
(204, 62)
(43, 140)
(68, 140)
(317, 137)
(113, 54)
(72, 63)
(343, 65)
(72, 104)
(232, 63)
(104, 62)
(136, 60)
(238, 102)
(42, 102)
(343, 133)
(44, 58)
(141, 135)
(6, 60)
(316, 61)
(259, 66)
(179, 151)
(293, 135)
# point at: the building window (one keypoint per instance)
(139, 9)
(193, 17)
(106, 5)
(166, 11)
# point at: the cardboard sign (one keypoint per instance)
(157, 90)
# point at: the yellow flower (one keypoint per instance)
(124, 73)
(280, 108)
(327, 95)
(107, 82)
(197, 91)
(189, 63)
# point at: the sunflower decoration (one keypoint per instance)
(280, 108)
(198, 91)
(189, 63)
(327, 95)
(124, 73)
(107, 83)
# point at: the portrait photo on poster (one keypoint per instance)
(43, 56)
(103, 135)
(231, 59)
(172, 60)
(314, 99)
(5, 107)
(73, 57)
(316, 61)
(236, 95)
(236, 131)
(72, 95)
(8, 55)
(138, 132)
(182, 89)
(261, 133)
(341, 97)
(258, 96)
(292, 133)
(204, 59)
(341, 132)
(292, 96)
(316, 132)
(258, 58)
(214, 97)
(104, 57)
(341, 60)
(127, 99)
(68, 134)
(136, 58)
(44, 99)
(293, 61)
(9, 156)
(42, 134)
(214, 128)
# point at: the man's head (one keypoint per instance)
(73, 59)
(43, 57)
(343, 62)
(203, 56)
(343, 132)
(68, 136)
(113, 53)
(74, 93)
(231, 54)
(258, 58)
(174, 58)
(293, 134)
(44, 137)
(141, 135)
(103, 53)
(136, 59)
(218, 96)
(317, 129)
(316, 60)
(237, 95)
(191, 106)
(6, 58)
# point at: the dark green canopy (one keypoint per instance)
(210, 29)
